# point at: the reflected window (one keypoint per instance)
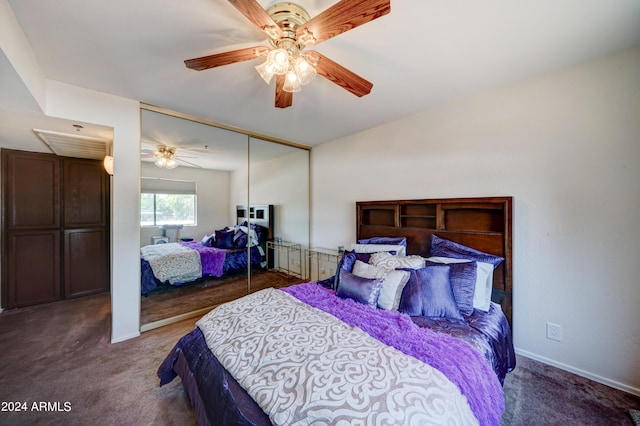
(167, 202)
(167, 209)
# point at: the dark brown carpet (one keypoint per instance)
(539, 394)
(60, 352)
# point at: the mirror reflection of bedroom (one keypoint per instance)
(222, 213)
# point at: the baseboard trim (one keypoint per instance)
(596, 378)
(174, 319)
(123, 338)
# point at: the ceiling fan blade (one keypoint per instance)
(342, 17)
(252, 10)
(341, 76)
(283, 99)
(187, 162)
(225, 58)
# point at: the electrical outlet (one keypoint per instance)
(554, 332)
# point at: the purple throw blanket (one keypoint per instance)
(458, 360)
(211, 258)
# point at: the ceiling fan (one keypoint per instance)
(166, 157)
(290, 31)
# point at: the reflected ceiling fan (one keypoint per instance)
(291, 31)
(166, 157)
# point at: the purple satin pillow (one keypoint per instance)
(428, 293)
(463, 283)
(445, 248)
(393, 241)
(224, 239)
(346, 263)
(362, 290)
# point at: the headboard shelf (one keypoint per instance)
(483, 223)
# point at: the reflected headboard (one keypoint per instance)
(484, 224)
(257, 214)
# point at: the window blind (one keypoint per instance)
(167, 186)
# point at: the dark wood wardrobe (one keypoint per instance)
(55, 228)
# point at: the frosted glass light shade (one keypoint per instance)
(266, 71)
(291, 82)
(279, 60)
(161, 162)
(108, 164)
(306, 72)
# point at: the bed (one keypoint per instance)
(328, 352)
(226, 251)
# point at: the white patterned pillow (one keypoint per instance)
(374, 248)
(392, 286)
(389, 261)
(366, 270)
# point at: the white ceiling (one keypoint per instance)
(424, 53)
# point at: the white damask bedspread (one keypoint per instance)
(173, 262)
(304, 366)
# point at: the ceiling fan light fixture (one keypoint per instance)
(160, 162)
(305, 71)
(278, 60)
(165, 157)
(170, 164)
(291, 30)
(266, 71)
(292, 82)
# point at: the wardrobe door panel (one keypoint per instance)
(33, 267)
(85, 188)
(32, 190)
(86, 262)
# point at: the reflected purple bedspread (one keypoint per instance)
(235, 260)
(211, 258)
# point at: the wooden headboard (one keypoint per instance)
(481, 223)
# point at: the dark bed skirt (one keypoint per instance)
(217, 398)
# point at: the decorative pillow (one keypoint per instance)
(346, 263)
(366, 270)
(445, 248)
(462, 276)
(392, 285)
(240, 239)
(362, 290)
(261, 232)
(394, 241)
(389, 261)
(208, 240)
(428, 293)
(374, 248)
(484, 281)
(224, 239)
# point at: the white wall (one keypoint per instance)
(212, 205)
(566, 146)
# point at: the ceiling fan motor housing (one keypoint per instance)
(289, 17)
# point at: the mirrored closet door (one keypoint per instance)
(279, 177)
(214, 201)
